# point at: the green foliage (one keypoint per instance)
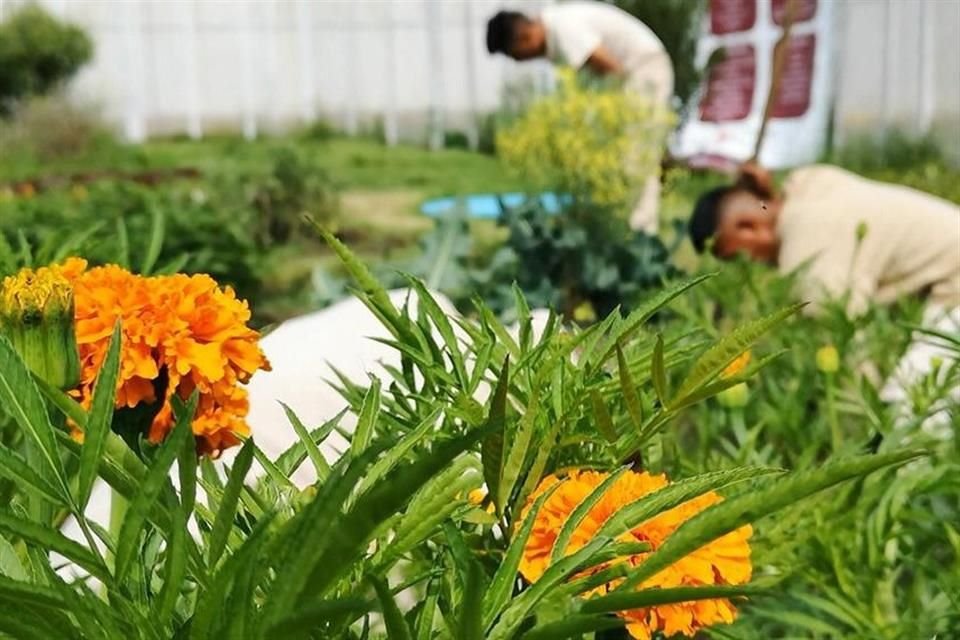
(38, 53)
(585, 263)
(272, 561)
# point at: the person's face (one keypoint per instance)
(747, 225)
(528, 42)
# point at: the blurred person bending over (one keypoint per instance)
(605, 40)
(869, 241)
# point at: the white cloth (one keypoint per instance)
(917, 363)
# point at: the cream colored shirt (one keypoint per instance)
(911, 246)
(576, 29)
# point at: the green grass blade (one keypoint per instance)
(228, 504)
(399, 451)
(602, 417)
(155, 245)
(123, 243)
(22, 401)
(98, 422)
(743, 509)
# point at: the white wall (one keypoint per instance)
(197, 66)
(899, 66)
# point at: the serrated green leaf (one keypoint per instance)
(153, 484)
(602, 417)
(50, 539)
(320, 465)
(629, 391)
(658, 372)
(743, 509)
(367, 419)
(501, 586)
(228, 503)
(727, 349)
(393, 622)
(491, 449)
(98, 422)
(21, 401)
(513, 464)
(580, 512)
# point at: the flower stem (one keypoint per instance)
(835, 433)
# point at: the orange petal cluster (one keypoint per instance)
(185, 326)
(737, 366)
(724, 561)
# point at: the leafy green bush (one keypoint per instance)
(37, 54)
(273, 561)
(579, 263)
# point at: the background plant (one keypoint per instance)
(37, 54)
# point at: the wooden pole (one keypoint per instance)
(779, 59)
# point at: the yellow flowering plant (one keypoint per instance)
(595, 143)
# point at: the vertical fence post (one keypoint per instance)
(435, 67)
(308, 109)
(927, 61)
(194, 122)
(891, 39)
(352, 124)
(133, 123)
(391, 132)
(248, 86)
(473, 133)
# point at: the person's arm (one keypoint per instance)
(602, 63)
(756, 179)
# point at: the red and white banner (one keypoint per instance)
(725, 117)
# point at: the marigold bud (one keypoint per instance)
(828, 360)
(735, 397)
(36, 316)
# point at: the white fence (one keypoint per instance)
(419, 67)
(414, 67)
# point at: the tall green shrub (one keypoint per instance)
(37, 53)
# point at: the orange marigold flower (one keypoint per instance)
(186, 327)
(738, 365)
(725, 560)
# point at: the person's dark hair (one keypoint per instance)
(706, 216)
(501, 30)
